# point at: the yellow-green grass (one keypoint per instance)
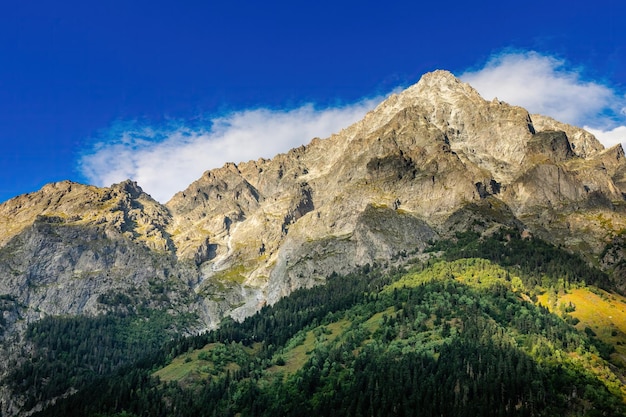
(336, 329)
(602, 312)
(185, 366)
(296, 358)
(189, 366)
(475, 272)
(236, 274)
(373, 323)
(605, 314)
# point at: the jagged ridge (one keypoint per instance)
(434, 159)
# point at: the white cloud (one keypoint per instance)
(609, 137)
(546, 85)
(165, 161)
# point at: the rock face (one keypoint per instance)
(432, 160)
(414, 169)
(387, 184)
(423, 159)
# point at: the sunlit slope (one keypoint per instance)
(602, 313)
(434, 311)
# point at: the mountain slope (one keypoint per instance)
(427, 163)
(434, 159)
(445, 338)
(433, 150)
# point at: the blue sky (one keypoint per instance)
(160, 91)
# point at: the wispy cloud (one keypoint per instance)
(609, 137)
(548, 85)
(166, 160)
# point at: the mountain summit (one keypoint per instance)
(426, 163)
(431, 160)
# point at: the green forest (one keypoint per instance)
(458, 334)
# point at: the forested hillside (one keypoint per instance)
(459, 333)
(465, 250)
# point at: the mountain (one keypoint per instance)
(446, 337)
(432, 161)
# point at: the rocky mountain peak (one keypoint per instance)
(442, 85)
(121, 208)
(489, 133)
(131, 188)
(429, 161)
(438, 139)
(583, 143)
(432, 160)
(427, 152)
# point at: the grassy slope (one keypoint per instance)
(191, 366)
(601, 311)
(378, 323)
